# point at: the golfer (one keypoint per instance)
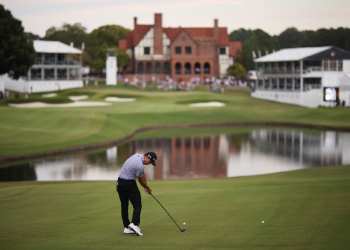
(128, 191)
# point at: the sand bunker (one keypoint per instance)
(207, 104)
(49, 95)
(78, 98)
(63, 105)
(117, 99)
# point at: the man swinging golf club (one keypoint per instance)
(128, 191)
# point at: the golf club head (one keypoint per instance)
(183, 230)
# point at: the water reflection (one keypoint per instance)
(18, 173)
(253, 153)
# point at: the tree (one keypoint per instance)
(123, 59)
(99, 62)
(16, 48)
(109, 35)
(32, 36)
(240, 35)
(86, 59)
(68, 33)
(291, 38)
(237, 70)
(253, 40)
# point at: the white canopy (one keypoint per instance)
(54, 47)
(295, 54)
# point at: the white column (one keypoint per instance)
(301, 149)
(329, 66)
(284, 143)
(285, 83)
(293, 140)
(80, 73)
(301, 76)
(336, 65)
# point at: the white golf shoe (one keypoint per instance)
(136, 229)
(128, 231)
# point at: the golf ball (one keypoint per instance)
(184, 223)
(263, 222)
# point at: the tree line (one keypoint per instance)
(259, 40)
(17, 52)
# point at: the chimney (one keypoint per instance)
(158, 34)
(135, 22)
(216, 30)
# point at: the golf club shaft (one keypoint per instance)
(166, 211)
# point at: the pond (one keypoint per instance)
(256, 152)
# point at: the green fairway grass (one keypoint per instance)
(304, 209)
(28, 131)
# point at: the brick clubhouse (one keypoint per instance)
(181, 53)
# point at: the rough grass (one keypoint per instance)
(25, 131)
(304, 209)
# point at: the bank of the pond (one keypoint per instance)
(304, 209)
(31, 132)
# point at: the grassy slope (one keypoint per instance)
(305, 209)
(24, 131)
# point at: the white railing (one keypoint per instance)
(309, 86)
(287, 71)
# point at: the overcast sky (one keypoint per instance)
(273, 16)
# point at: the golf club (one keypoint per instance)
(182, 230)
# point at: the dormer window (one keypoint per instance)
(222, 51)
(146, 50)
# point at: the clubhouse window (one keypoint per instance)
(177, 50)
(147, 50)
(223, 51)
(188, 50)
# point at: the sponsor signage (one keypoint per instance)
(330, 94)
